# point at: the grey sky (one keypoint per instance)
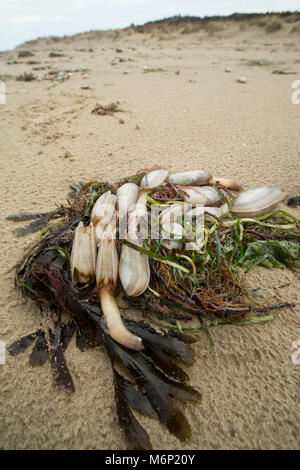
(22, 20)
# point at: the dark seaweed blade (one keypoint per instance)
(155, 350)
(22, 216)
(25, 263)
(137, 399)
(162, 360)
(169, 344)
(77, 187)
(81, 341)
(159, 389)
(67, 334)
(20, 345)
(39, 354)
(186, 338)
(136, 436)
(41, 220)
(54, 282)
(30, 228)
(62, 374)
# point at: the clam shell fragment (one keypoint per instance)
(226, 182)
(257, 201)
(190, 178)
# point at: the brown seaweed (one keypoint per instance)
(214, 293)
(154, 392)
(62, 374)
(22, 216)
(136, 437)
(160, 390)
(20, 345)
(158, 380)
(39, 354)
(30, 228)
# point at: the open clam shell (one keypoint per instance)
(257, 201)
(205, 195)
(190, 178)
(153, 179)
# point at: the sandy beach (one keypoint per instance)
(188, 114)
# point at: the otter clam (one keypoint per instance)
(134, 270)
(257, 201)
(189, 178)
(205, 195)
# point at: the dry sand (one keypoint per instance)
(198, 119)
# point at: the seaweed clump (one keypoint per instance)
(157, 379)
(204, 284)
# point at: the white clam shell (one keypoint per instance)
(103, 209)
(153, 179)
(206, 195)
(190, 178)
(107, 260)
(102, 214)
(83, 256)
(257, 201)
(127, 196)
(134, 269)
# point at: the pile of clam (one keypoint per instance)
(94, 252)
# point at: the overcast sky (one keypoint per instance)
(22, 20)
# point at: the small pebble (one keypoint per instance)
(85, 87)
(228, 69)
(121, 121)
(241, 80)
(294, 201)
(177, 72)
